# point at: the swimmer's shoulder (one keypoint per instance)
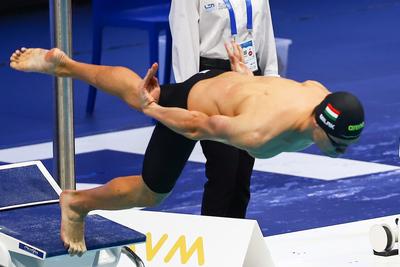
(315, 85)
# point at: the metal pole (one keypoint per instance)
(63, 145)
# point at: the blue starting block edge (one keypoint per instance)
(26, 184)
(34, 230)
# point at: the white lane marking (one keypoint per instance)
(136, 140)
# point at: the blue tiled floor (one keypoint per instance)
(280, 203)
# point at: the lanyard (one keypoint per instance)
(232, 18)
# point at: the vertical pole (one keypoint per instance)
(63, 145)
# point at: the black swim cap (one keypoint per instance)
(341, 115)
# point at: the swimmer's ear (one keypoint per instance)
(314, 120)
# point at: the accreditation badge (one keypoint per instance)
(249, 53)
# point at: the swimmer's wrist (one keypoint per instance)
(152, 104)
(149, 107)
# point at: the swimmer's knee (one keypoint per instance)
(152, 198)
(158, 198)
(155, 198)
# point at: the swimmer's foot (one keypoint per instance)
(39, 60)
(72, 225)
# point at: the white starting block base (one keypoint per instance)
(191, 240)
(101, 258)
(343, 245)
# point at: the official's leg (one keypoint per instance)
(221, 169)
(241, 193)
(228, 171)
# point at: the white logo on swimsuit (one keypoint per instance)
(204, 71)
(326, 122)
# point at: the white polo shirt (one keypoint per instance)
(200, 27)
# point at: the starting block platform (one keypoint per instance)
(30, 219)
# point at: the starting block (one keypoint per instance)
(184, 240)
(30, 219)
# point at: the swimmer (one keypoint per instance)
(264, 116)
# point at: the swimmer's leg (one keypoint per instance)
(119, 193)
(118, 81)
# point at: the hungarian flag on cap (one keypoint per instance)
(331, 112)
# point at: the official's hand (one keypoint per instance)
(149, 89)
(235, 54)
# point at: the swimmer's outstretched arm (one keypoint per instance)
(195, 125)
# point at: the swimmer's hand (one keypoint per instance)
(235, 54)
(149, 88)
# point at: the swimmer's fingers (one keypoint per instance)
(233, 59)
(229, 52)
(240, 63)
(155, 81)
(236, 50)
(149, 89)
(150, 75)
(236, 58)
(241, 54)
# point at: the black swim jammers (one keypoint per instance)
(167, 151)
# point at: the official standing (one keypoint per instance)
(199, 30)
